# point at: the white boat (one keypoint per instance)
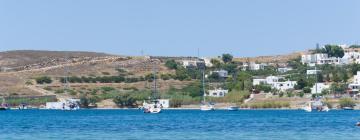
(308, 107)
(325, 109)
(68, 104)
(154, 107)
(233, 108)
(205, 106)
(348, 108)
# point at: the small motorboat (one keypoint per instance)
(358, 124)
(233, 108)
(2, 108)
(348, 108)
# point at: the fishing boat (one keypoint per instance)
(205, 106)
(154, 107)
(233, 108)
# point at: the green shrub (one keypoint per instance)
(347, 102)
(43, 80)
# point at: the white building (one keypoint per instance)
(283, 70)
(165, 103)
(192, 63)
(274, 82)
(312, 72)
(351, 57)
(319, 87)
(218, 93)
(320, 59)
(312, 58)
(259, 81)
(254, 66)
(355, 85)
(221, 73)
(284, 85)
(207, 62)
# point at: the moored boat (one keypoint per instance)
(154, 107)
(348, 108)
(233, 108)
(205, 106)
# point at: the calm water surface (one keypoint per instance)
(178, 125)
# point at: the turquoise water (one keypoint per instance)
(178, 125)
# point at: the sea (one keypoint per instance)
(93, 124)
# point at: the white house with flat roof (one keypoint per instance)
(218, 93)
(283, 70)
(284, 85)
(320, 59)
(255, 66)
(275, 82)
(319, 87)
(221, 73)
(312, 72)
(355, 85)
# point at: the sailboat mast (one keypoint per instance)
(155, 84)
(203, 85)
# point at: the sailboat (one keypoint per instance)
(154, 107)
(205, 106)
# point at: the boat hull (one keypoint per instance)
(233, 109)
(207, 108)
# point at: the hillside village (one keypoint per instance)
(330, 73)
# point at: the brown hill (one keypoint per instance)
(271, 59)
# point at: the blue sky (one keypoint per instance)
(178, 27)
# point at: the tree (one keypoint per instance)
(181, 74)
(171, 64)
(338, 88)
(43, 80)
(307, 90)
(333, 51)
(300, 84)
(124, 100)
(354, 46)
(231, 68)
(216, 63)
(227, 58)
(354, 68)
(84, 101)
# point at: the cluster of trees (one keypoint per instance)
(331, 50)
(43, 80)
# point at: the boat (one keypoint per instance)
(348, 108)
(3, 105)
(233, 108)
(154, 107)
(205, 106)
(308, 107)
(325, 109)
(358, 124)
(67, 104)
